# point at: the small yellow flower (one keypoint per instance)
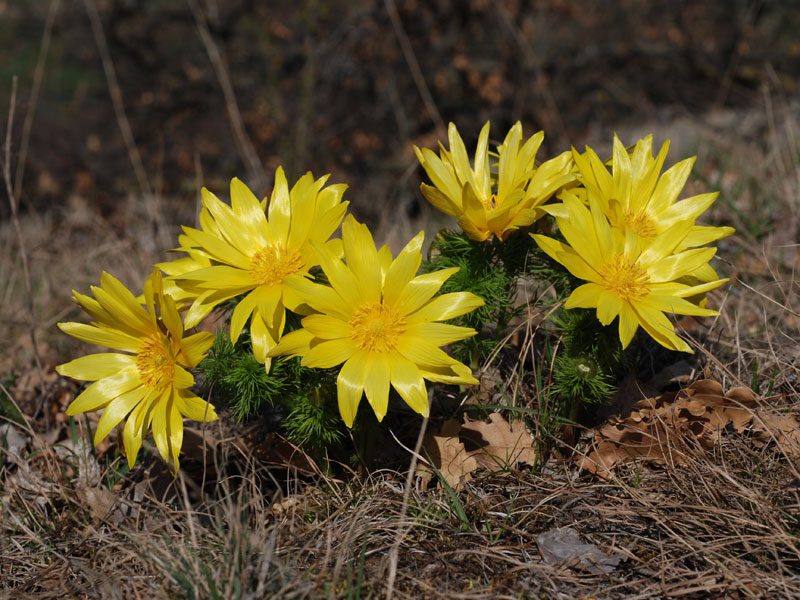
(638, 285)
(636, 197)
(486, 203)
(150, 385)
(380, 321)
(256, 253)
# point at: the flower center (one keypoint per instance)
(156, 366)
(273, 263)
(641, 224)
(628, 280)
(375, 327)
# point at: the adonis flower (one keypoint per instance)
(259, 254)
(149, 386)
(381, 322)
(640, 286)
(488, 203)
(636, 197)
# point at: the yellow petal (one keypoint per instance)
(159, 423)
(326, 327)
(246, 206)
(117, 409)
(323, 225)
(660, 329)
(97, 366)
(182, 379)
(566, 256)
(584, 296)
(440, 200)
(440, 334)
(104, 391)
(459, 156)
(628, 324)
(362, 258)
(446, 306)
(321, 298)
(421, 352)
(295, 343)
(609, 306)
(677, 306)
(407, 380)
(260, 338)
(132, 434)
(194, 347)
(402, 269)
(350, 387)
(174, 434)
(676, 266)
(218, 248)
(102, 336)
(329, 353)
(671, 184)
(195, 408)
(454, 374)
(422, 288)
(280, 208)
(376, 383)
(340, 277)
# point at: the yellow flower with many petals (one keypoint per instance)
(259, 254)
(487, 203)
(636, 197)
(149, 386)
(380, 320)
(640, 286)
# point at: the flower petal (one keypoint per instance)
(329, 353)
(350, 386)
(103, 391)
(407, 380)
(377, 376)
(118, 409)
(97, 366)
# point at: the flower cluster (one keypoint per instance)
(348, 305)
(640, 250)
(375, 315)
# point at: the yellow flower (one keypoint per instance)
(486, 203)
(186, 295)
(148, 386)
(258, 254)
(637, 285)
(380, 321)
(635, 196)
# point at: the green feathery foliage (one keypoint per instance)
(308, 414)
(588, 366)
(483, 272)
(313, 419)
(239, 379)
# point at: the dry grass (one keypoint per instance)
(74, 523)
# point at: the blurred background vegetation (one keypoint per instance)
(346, 87)
(125, 109)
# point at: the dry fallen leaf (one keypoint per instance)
(565, 545)
(500, 444)
(448, 455)
(667, 429)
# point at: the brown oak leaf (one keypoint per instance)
(498, 443)
(447, 455)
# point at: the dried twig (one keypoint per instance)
(116, 97)
(413, 65)
(13, 202)
(38, 77)
(246, 149)
(403, 524)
